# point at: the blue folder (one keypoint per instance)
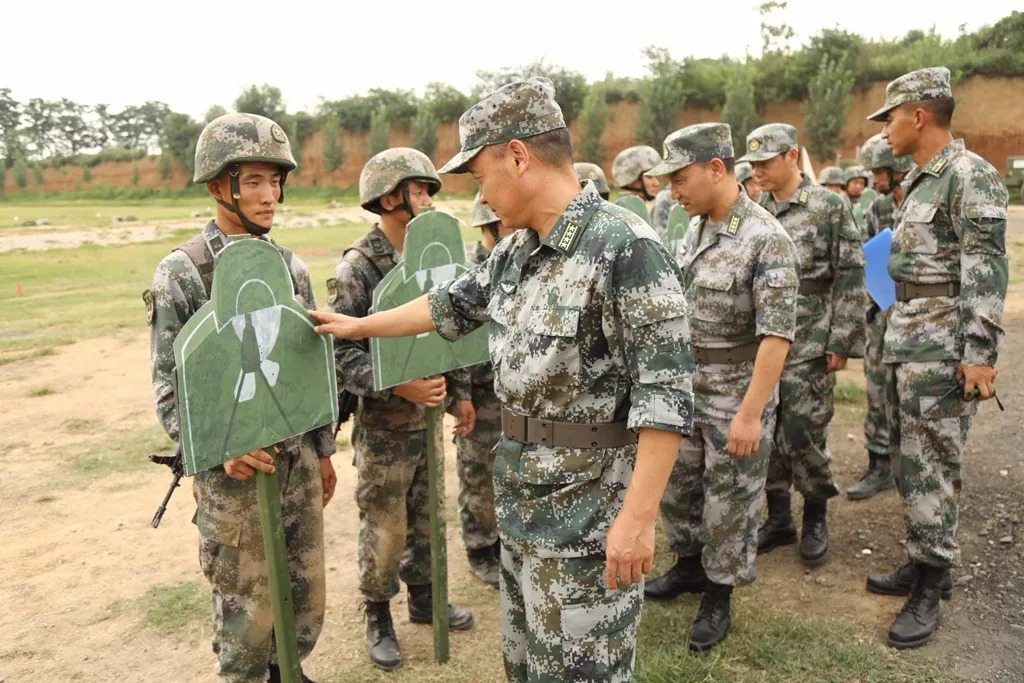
(881, 287)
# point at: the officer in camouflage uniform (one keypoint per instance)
(888, 171)
(833, 178)
(244, 160)
(586, 171)
(628, 169)
(589, 341)
(739, 275)
(859, 193)
(830, 329)
(942, 341)
(389, 431)
(745, 177)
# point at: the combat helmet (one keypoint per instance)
(832, 175)
(744, 171)
(483, 215)
(388, 170)
(233, 139)
(877, 153)
(586, 171)
(857, 172)
(630, 165)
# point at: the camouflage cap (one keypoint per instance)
(237, 138)
(769, 140)
(514, 111)
(831, 175)
(593, 172)
(924, 84)
(482, 214)
(632, 162)
(877, 153)
(744, 172)
(386, 170)
(695, 144)
(856, 172)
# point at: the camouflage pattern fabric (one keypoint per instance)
(952, 229)
(861, 206)
(560, 623)
(877, 153)
(769, 140)
(385, 171)
(694, 144)
(391, 494)
(632, 162)
(741, 284)
(235, 138)
(744, 172)
(232, 559)
(876, 421)
(474, 464)
(880, 215)
(661, 207)
(916, 86)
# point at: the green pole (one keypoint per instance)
(438, 549)
(277, 574)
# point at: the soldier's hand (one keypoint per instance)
(744, 435)
(630, 551)
(329, 479)
(429, 392)
(982, 377)
(244, 466)
(341, 326)
(835, 363)
(465, 413)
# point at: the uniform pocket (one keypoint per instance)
(599, 636)
(712, 299)
(219, 527)
(550, 354)
(916, 233)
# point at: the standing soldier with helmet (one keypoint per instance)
(739, 276)
(389, 430)
(830, 329)
(244, 160)
(628, 169)
(586, 171)
(949, 262)
(859, 193)
(745, 177)
(833, 178)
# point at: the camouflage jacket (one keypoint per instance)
(178, 292)
(829, 249)
(740, 282)
(661, 207)
(862, 206)
(360, 270)
(880, 215)
(481, 375)
(587, 325)
(952, 228)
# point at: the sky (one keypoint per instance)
(193, 54)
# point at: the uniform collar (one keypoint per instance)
(940, 162)
(565, 233)
(730, 226)
(800, 195)
(380, 243)
(216, 239)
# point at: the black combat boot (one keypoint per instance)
(712, 621)
(381, 641)
(916, 623)
(778, 529)
(814, 534)
(878, 478)
(900, 580)
(484, 565)
(421, 610)
(274, 674)
(686, 576)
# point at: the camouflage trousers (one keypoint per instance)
(560, 623)
(928, 427)
(800, 455)
(475, 466)
(712, 504)
(876, 422)
(391, 494)
(232, 558)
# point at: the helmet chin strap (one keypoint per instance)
(406, 202)
(236, 194)
(642, 189)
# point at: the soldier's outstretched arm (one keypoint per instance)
(405, 321)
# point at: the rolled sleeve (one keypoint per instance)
(460, 306)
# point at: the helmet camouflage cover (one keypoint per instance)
(744, 171)
(857, 172)
(633, 162)
(587, 171)
(877, 153)
(237, 138)
(482, 214)
(832, 175)
(386, 170)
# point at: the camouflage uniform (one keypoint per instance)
(740, 281)
(661, 207)
(828, 321)
(628, 169)
(587, 325)
(952, 231)
(862, 204)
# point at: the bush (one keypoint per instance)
(424, 132)
(86, 173)
(20, 170)
(380, 130)
(593, 119)
(353, 113)
(740, 109)
(136, 175)
(570, 86)
(662, 96)
(445, 102)
(163, 167)
(333, 149)
(828, 102)
(37, 173)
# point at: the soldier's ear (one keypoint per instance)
(518, 155)
(214, 188)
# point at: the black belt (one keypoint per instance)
(737, 354)
(808, 287)
(565, 434)
(905, 291)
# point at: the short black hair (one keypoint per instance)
(941, 109)
(553, 148)
(730, 164)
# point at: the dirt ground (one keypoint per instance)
(78, 555)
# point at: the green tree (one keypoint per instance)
(333, 149)
(73, 128)
(399, 105)
(445, 102)
(424, 132)
(163, 166)
(662, 97)
(264, 100)
(827, 105)
(40, 118)
(593, 119)
(380, 130)
(775, 35)
(37, 173)
(10, 119)
(136, 174)
(213, 112)
(570, 86)
(178, 137)
(740, 109)
(20, 169)
(139, 126)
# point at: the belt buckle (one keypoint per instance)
(540, 431)
(513, 425)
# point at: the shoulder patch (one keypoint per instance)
(147, 298)
(571, 230)
(734, 224)
(937, 165)
(803, 197)
(332, 290)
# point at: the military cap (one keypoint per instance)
(694, 144)
(238, 138)
(770, 140)
(514, 111)
(744, 172)
(924, 84)
(857, 172)
(632, 162)
(482, 214)
(832, 175)
(593, 172)
(877, 153)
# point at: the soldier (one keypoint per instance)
(860, 194)
(586, 362)
(888, 171)
(628, 169)
(745, 177)
(739, 276)
(389, 431)
(833, 178)
(830, 323)
(586, 171)
(244, 159)
(942, 341)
